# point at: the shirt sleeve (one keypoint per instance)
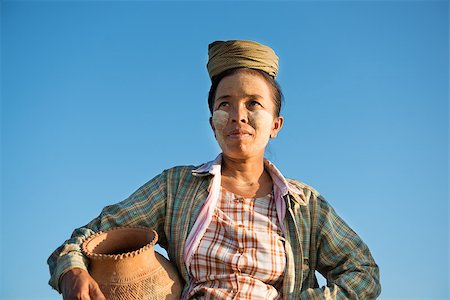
(343, 259)
(145, 207)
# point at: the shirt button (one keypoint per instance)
(241, 250)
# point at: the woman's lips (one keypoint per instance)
(239, 134)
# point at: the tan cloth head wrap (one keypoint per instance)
(225, 55)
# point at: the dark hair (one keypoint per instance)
(275, 87)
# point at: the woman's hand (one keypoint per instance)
(77, 284)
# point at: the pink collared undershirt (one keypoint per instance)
(280, 188)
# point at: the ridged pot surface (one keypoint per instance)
(126, 267)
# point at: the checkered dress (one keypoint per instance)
(241, 255)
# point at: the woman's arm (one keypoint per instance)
(343, 259)
(145, 207)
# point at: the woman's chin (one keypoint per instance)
(242, 153)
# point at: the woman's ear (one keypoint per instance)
(277, 125)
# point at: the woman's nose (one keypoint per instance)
(239, 114)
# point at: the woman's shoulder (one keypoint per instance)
(181, 169)
(171, 178)
(184, 172)
(309, 194)
(305, 188)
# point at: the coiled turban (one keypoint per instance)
(224, 55)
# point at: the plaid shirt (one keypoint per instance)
(316, 238)
(241, 253)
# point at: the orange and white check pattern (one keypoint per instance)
(242, 254)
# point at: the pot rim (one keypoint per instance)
(91, 255)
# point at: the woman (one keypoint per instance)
(235, 227)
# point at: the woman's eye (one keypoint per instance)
(222, 104)
(254, 103)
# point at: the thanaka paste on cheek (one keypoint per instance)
(220, 121)
(261, 120)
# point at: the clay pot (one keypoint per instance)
(126, 267)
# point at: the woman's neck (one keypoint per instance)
(246, 177)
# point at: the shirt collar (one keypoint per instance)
(213, 168)
(209, 168)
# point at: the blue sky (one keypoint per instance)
(99, 97)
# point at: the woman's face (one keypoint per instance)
(243, 118)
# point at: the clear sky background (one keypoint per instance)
(99, 97)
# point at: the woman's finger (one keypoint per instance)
(95, 292)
